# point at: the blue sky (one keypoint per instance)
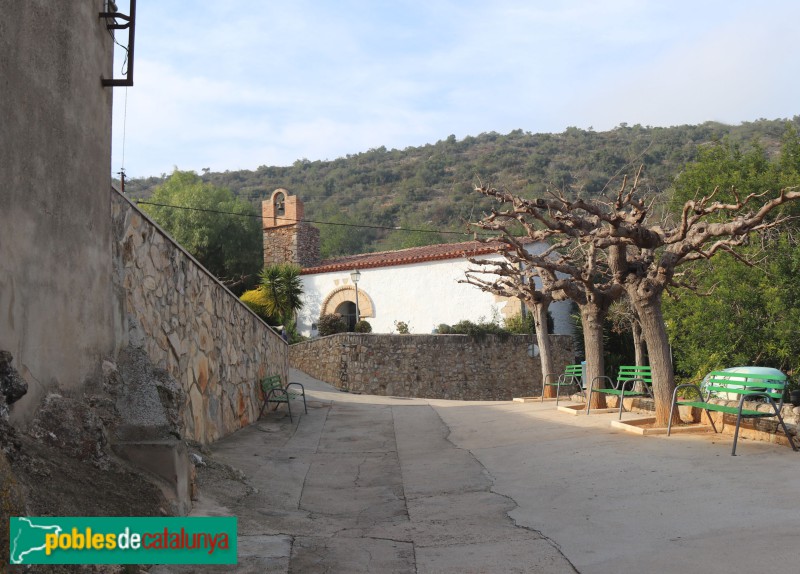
(235, 85)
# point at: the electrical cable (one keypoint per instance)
(124, 129)
(289, 220)
(124, 67)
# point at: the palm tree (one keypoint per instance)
(282, 292)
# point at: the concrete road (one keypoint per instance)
(376, 484)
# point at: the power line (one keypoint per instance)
(289, 220)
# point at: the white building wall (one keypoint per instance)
(423, 295)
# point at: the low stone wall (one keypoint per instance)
(428, 366)
(764, 429)
(190, 325)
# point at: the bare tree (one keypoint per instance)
(514, 278)
(643, 255)
(573, 270)
(624, 319)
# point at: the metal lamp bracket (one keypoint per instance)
(128, 23)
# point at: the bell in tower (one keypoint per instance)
(287, 238)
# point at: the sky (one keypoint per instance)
(228, 85)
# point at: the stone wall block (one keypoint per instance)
(431, 366)
(192, 326)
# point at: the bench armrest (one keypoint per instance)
(688, 386)
(630, 383)
(610, 382)
(277, 390)
(299, 385)
(746, 396)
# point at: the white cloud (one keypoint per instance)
(236, 85)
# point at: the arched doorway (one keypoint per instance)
(347, 294)
(347, 310)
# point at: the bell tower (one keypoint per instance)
(287, 238)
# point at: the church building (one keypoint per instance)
(417, 286)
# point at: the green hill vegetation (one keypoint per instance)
(430, 188)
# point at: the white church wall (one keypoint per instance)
(423, 295)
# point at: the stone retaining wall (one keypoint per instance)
(190, 325)
(428, 366)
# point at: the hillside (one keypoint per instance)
(431, 187)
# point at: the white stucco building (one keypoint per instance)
(419, 286)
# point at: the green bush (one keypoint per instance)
(331, 324)
(363, 327)
(444, 329)
(478, 330)
(256, 301)
(520, 325)
(402, 327)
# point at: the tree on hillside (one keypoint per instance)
(433, 183)
(229, 246)
(343, 236)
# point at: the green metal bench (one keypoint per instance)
(625, 387)
(767, 388)
(275, 392)
(571, 377)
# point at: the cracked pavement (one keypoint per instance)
(362, 484)
(381, 484)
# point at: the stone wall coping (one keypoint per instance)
(180, 248)
(412, 335)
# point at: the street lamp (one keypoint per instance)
(355, 277)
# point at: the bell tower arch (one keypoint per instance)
(287, 238)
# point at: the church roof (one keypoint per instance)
(404, 256)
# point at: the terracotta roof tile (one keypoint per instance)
(404, 256)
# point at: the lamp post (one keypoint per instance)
(355, 277)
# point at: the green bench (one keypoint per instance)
(275, 392)
(571, 377)
(767, 388)
(625, 387)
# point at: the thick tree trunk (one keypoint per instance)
(638, 343)
(545, 348)
(648, 306)
(592, 316)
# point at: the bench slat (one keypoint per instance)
(725, 409)
(746, 391)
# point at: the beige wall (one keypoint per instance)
(55, 163)
(192, 326)
(429, 366)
